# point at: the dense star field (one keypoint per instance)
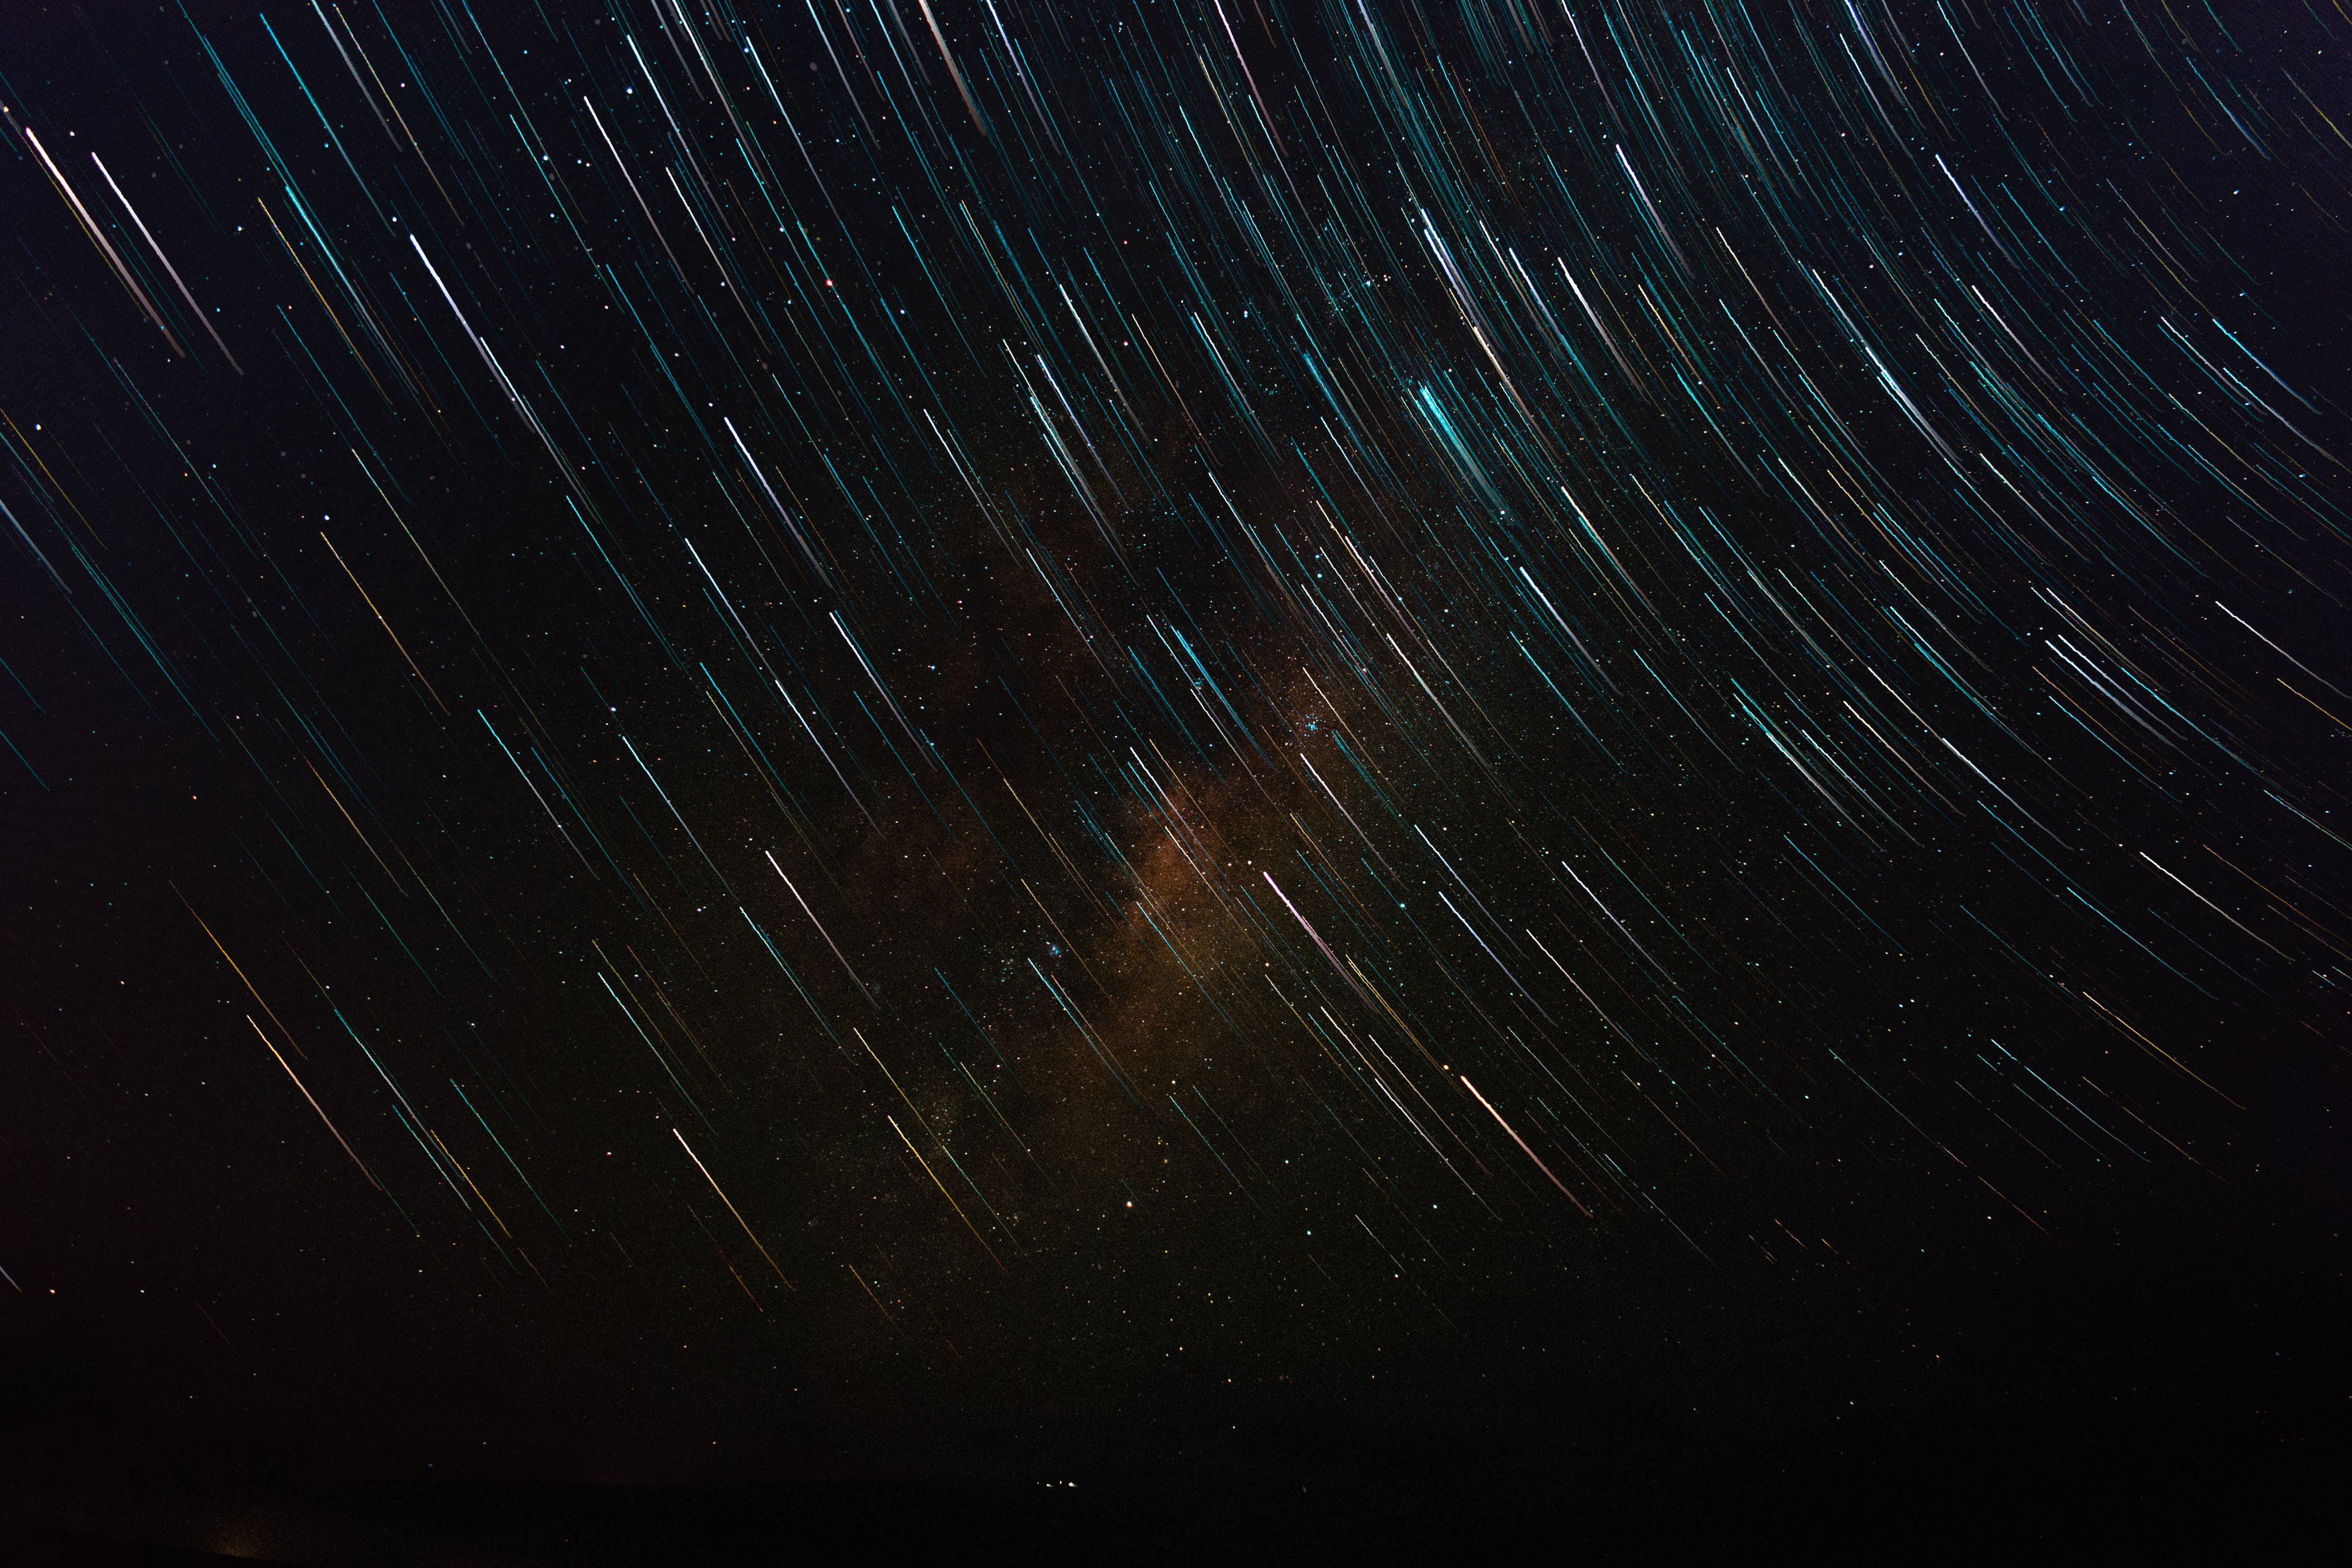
(738, 733)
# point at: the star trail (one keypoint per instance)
(1017, 708)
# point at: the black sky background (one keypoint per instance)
(1855, 1298)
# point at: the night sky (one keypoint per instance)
(932, 744)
